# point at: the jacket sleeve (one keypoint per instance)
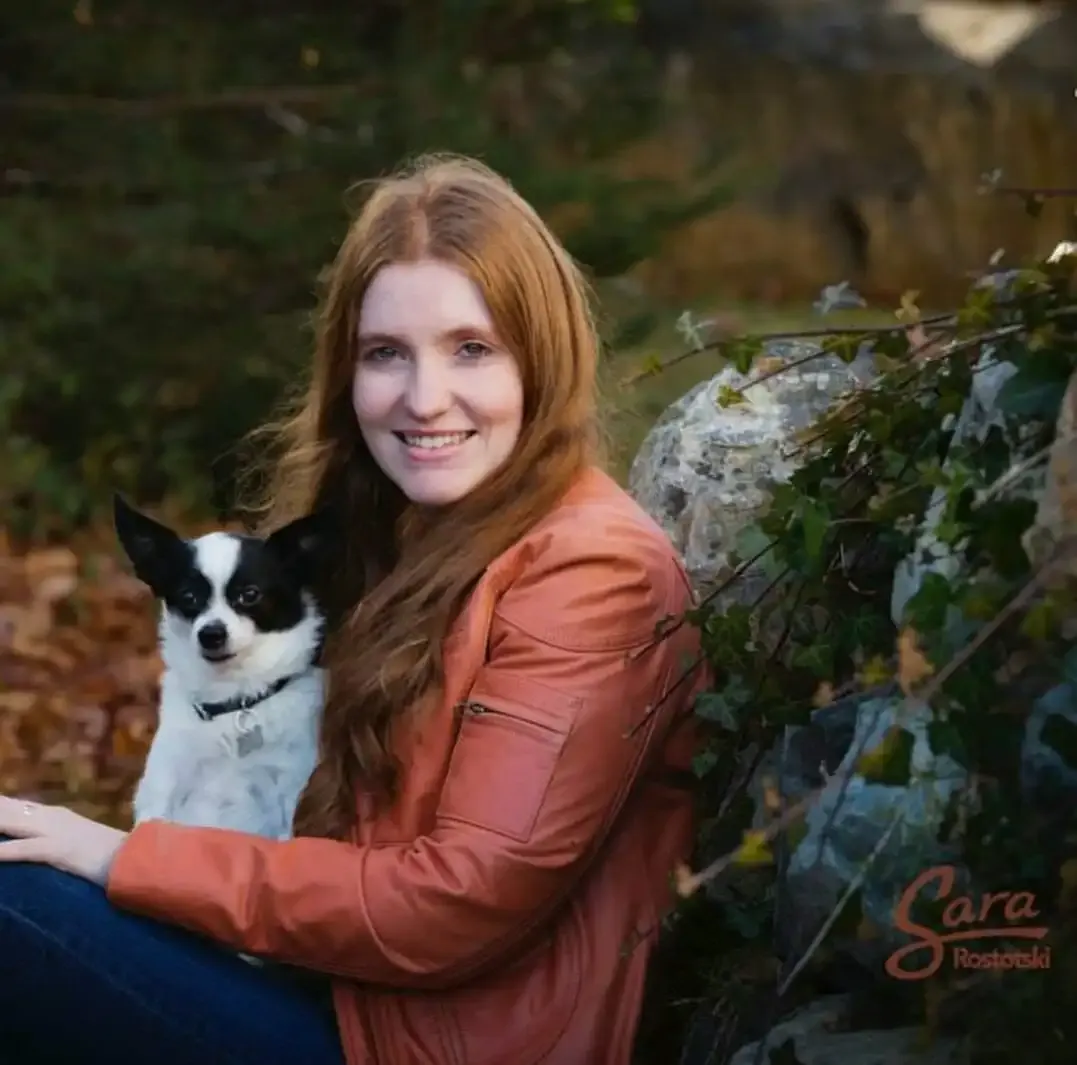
(544, 758)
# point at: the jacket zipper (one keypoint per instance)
(482, 710)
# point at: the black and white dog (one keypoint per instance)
(242, 690)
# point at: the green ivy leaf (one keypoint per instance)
(652, 366)
(932, 474)
(981, 603)
(1069, 668)
(949, 532)
(978, 309)
(927, 609)
(944, 737)
(892, 348)
(890, 762)
(817, 657)
(815, 521)
(714, 707)
(703, 762)
(1002, 523)
(1060, 734)
(743, 351)
(730, 397)
(1040, 621)
(868, 630)
(1034, 391)
(845, 345)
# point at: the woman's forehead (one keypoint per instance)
(425, 298)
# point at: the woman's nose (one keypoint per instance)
(428, 393)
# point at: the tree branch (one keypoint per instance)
(225, 99)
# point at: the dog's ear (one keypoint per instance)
(149, 545)
(302, 543)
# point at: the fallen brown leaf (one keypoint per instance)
(79, 676)
(913, 666)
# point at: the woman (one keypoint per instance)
(485, 850)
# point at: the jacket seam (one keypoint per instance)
(557, 637)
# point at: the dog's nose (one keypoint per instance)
(213, 637)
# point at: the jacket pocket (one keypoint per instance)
(512, 731)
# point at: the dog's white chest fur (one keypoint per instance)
(243, 770)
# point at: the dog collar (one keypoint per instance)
(209, 711)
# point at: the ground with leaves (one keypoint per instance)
(79, 673)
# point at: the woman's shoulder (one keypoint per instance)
(596, 566)
(598, 514)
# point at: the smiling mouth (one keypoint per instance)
(434, 441)
(218, 656)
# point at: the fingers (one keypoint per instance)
(34, 850)
(21, 818)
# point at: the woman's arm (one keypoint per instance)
(541, 767)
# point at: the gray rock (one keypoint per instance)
(820, 1037)
(930, 555)
(1047, 776)
(706, 473)
(877, 836)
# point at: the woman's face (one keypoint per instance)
(438, 399)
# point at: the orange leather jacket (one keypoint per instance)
(503, 911)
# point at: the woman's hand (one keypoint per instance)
(56, 836)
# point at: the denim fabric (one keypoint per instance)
(83, 983)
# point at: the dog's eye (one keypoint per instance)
(248, 596)
(187, 599)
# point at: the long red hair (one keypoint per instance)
(401, 574)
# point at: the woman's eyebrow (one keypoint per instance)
(457, 333)
(471, 332)
(378, 338)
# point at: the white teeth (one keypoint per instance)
(432, 442)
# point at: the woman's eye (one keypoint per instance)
(382, 354)
(475, 349)
(248, 596)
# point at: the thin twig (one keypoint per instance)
(258, 96)
(867, 332)
(660, 701)
(1015, 473)
(843, 787)
(709, 598)
(853, 886)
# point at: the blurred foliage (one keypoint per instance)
(175, 178)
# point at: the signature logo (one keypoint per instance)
(964, 920)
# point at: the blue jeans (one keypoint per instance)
(83, 983)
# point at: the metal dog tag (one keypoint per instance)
(248, 742)
(249, 738)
